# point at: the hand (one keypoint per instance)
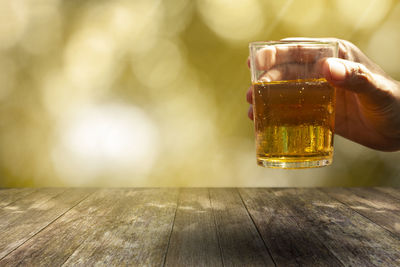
(367, 99)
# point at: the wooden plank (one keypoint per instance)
(56, 243)
(241, 244)
(353, 239)
(26, 206)
(53, 245)
(108, 202)
(36, 217)
(132, 227)
(135, 233)
(287, 235)
(391, 191)
(194, 240)
(8, 196)
(377, 206)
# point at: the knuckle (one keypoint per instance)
(249, 97)
(345, 50)
(347, 43)
(352, 51)
(360, 74)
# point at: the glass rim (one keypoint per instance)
(292, 42)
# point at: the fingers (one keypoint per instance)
(249, 96)
(292, 71)
(349, 75)
(343, 46)
(271, 56)
(374, 91)
(250, 112)
(268, 57)
(265, 58)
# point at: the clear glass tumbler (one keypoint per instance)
(293, 105)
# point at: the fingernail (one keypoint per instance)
(337, 70)
(265, 79)
(265, 58)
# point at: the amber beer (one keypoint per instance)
(294, 122)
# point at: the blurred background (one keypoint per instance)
(152, 92)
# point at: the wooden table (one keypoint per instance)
(200, 227)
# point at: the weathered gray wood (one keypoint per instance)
(27, 206)
(194, 240)
(377, 206)
(110, 202)
(97, 213)
(353, 239)
(36, 217)
(135, 233)
(391, 191)
(134, 227)
(287, 235)
(8, 196)
(53, 245)
(241, 244)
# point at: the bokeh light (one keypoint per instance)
(361, 14)
(7, 76)
(43, 32)
(13, 21)
(113, 139)
(233, 20)
(299, 14)
(152, 93)
(159, 67)
(385, 51)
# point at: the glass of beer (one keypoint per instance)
(293, 104)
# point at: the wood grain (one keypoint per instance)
(239, 239)
(28, 220)
(391, 191)
(377, 206)
(8, 196)
(200, 227)
(287, 235)
(28, 206)
(194, 240)
(135, 233)
(353, 239)
(56, 243)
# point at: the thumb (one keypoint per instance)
(349, 75)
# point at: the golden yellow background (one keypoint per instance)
(152, 93)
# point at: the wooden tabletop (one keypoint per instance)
(200, 227)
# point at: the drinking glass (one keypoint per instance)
(293, 104)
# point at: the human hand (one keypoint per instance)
(367, 99)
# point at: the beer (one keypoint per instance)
(294, 122)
